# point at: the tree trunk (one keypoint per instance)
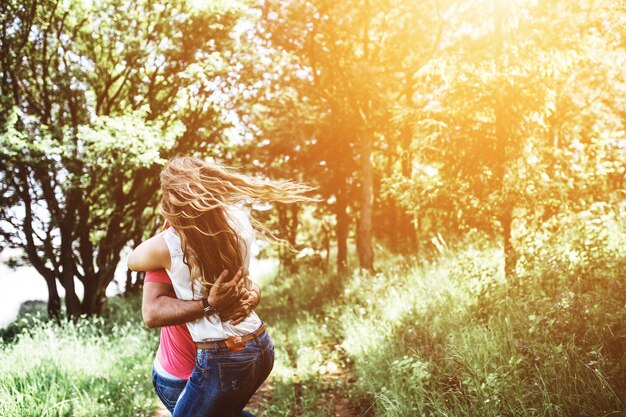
(502, 137)
(342, 227)
(510, 258)
(283, 253)
(72, 302)
(406, 162)
(389, 210)
(66, 278)
(54, 301)
(139, 280)
(417, 226)
(95, 294)
(292, 233)
(364, 238)
(409, 233)
(326, 237)
(94, 303)
(294, 222)
(392, 230)
(22, 186)
(68, 263)
(128, 288)
(133, 286)
(288, 226)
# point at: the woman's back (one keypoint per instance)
(212, 328)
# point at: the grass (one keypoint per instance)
(447, 336)
(94, 367)
(452, 337)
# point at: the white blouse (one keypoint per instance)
(211, 328)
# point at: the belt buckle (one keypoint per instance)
(235, 344)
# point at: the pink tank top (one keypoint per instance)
(177, 351)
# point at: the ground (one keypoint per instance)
(340, 403)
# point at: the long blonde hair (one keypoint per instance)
(196, 195)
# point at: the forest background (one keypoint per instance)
(469, 157)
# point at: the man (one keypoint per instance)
(175, 357)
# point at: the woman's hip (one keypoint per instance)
(240, 361)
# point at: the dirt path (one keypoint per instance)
(261, 399)
(257, 403)
(161, 411)
(336, 397)
(334, 400)
(341, 405)
(335, 379)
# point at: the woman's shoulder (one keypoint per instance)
(172, 240)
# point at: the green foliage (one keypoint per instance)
(447, 336)
(482, 115)
(92, 367)
(470, 118)
(95, 97)
(452, 337)
(116, 143)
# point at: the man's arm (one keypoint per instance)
(160, 307)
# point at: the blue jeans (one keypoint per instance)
(223, 382)
(168, 390)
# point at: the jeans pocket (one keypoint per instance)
(236, 374)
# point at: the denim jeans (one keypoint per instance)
(168, 390)
(223, 382)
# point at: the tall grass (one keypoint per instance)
(448, 344)
(452, 337)
(449, 336)
(94, 367)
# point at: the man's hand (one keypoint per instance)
(232, 299)
(223, 294)
(160, 307)
(237, 312)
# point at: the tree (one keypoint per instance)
(491, 97)
(91, 106)
(343, 47)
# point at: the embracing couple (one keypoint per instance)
(214, 351)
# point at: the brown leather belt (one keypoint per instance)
(233, 343)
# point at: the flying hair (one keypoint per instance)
(196, 197)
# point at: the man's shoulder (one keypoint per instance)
(159, 275)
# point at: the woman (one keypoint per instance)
(176, 356)
(209, 234)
